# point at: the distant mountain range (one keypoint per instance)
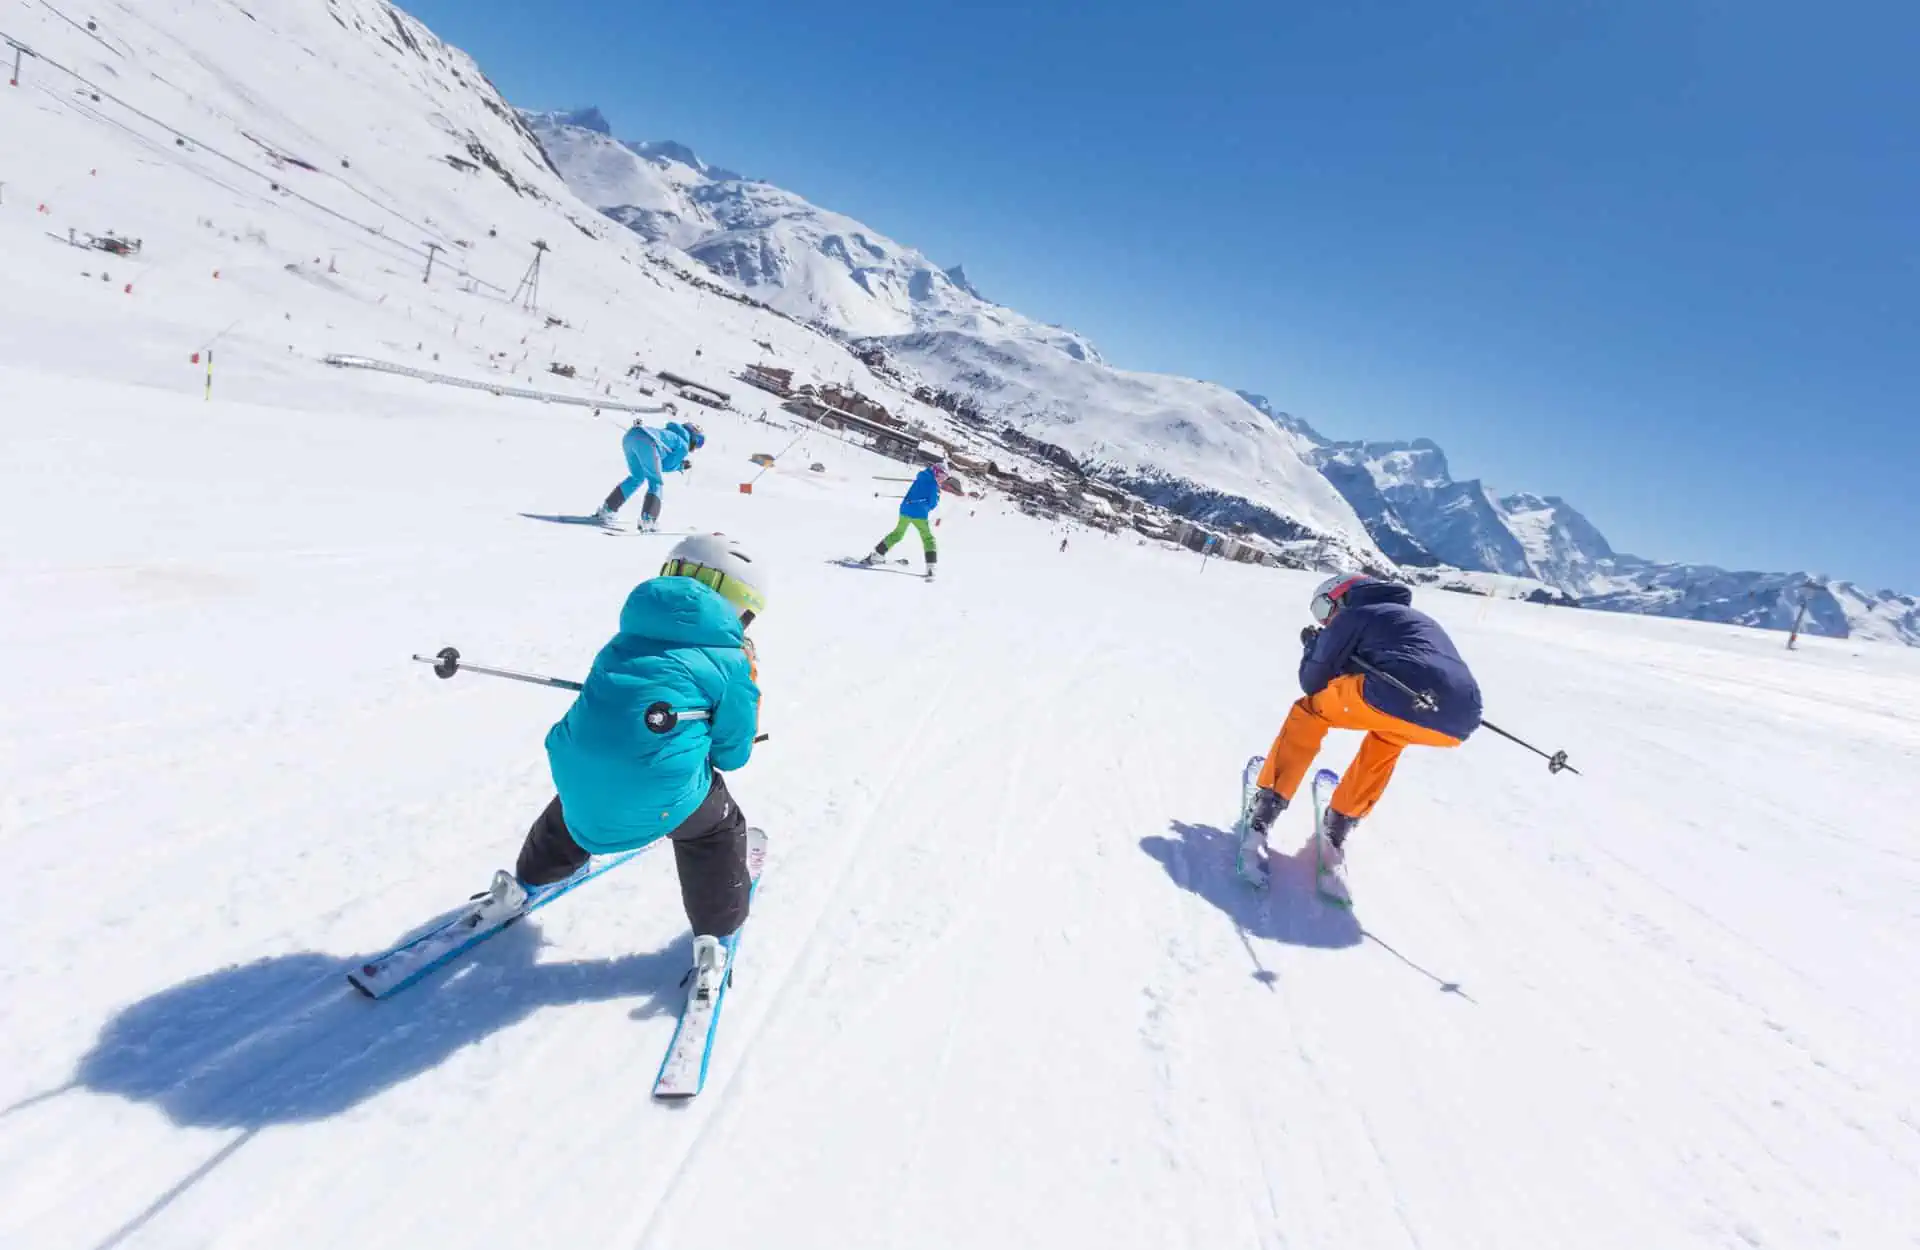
(1220, 455)
(1421, 516)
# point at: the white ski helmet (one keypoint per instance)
(1328, 595)
(716, 561)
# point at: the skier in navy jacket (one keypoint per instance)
(1361, 619)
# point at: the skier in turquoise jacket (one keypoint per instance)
(651, 455)
(622, 784)
(922, 497)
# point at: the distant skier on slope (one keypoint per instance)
(1364, 623)
(921, 499)
(682, 641)
(651, 455)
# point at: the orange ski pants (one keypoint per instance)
(1342, 706)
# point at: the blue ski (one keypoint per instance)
(683, 1069)
(386, 974)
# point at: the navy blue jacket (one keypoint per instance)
(1377, 623)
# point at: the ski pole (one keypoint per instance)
(661, 717)
(1556, 762)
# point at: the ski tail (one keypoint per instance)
(1330, 882)
(1250, 857)
(386, 974)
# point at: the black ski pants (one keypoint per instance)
(709, 850)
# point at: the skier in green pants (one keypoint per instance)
(922, 498)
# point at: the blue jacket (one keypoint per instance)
(1377, 623)
(923, 496)
(652, 454)
(622, 785)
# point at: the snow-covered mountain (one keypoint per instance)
(1192, 445)
(805, 260)
(1406, 487)
(1419, 515)
(1189, 445)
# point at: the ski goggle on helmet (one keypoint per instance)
(718, 563)
(696, 437)
(1328, 596)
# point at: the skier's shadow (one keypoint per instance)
(1200, 860)
(285, 1040)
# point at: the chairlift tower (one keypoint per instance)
(528, 292)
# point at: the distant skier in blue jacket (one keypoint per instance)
(682, 641)
(651, 455)
(921, 499)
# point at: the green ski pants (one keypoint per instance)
(927, 545)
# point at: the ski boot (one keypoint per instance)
(502, 898)
(1254, 825)
(709, 966)
(1330, 857)
(605, 517)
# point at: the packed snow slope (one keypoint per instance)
(1001, 986)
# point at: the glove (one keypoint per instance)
(1266, 805)
(1309, 635)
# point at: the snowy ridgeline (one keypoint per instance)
(1532, 544)
(1221, 456)
(1002, 988)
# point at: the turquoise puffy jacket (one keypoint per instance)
(621, 785)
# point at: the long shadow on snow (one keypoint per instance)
(284, 1040)
(1201, 862)
(1291, 910)
(562, 518)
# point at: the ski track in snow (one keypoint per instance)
(1002, 986)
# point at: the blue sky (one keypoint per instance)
(1661, 257)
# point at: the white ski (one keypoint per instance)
(1251, 861)
(1329, 864)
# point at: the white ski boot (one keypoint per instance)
(709, 966)
(504, 897)
(606, 517)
